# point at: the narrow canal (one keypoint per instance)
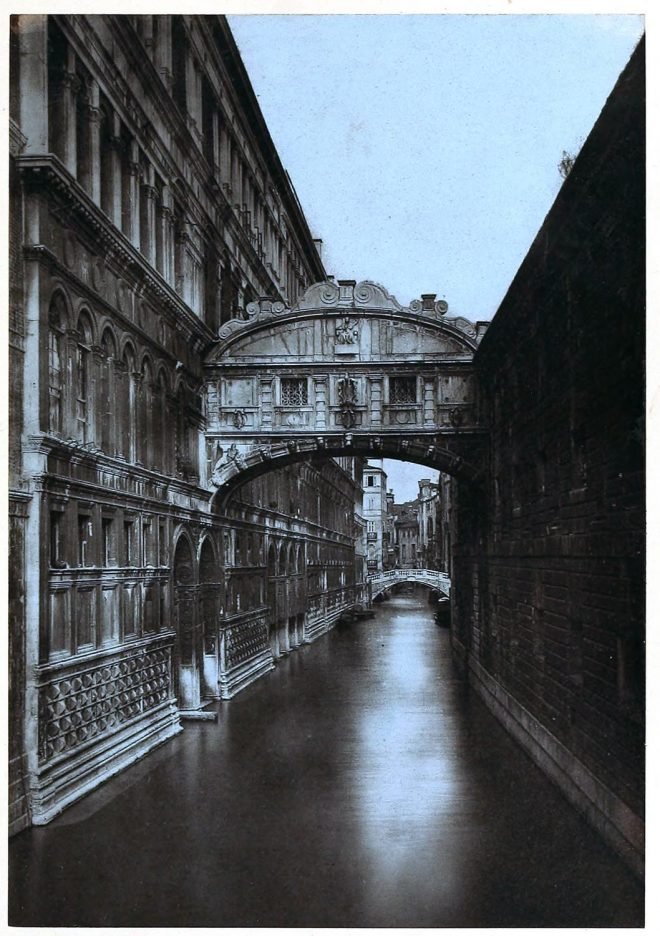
(360, 784)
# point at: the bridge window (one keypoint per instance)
(403, 390)
(293, 391)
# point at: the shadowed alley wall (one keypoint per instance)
(548, 577)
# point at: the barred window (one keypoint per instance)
(403, 390)
(294, 391)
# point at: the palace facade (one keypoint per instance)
(149, 207)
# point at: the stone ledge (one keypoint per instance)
(616, 822)
(53, 790)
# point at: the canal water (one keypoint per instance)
(360, 784)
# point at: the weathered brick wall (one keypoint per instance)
(548, 569)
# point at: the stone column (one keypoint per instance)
(236, 175)
(429, 402)
(194, 86)
(114, 182)
(167, 234)
(183, 283)
(148, 236)
(133, 232)
(94, 152)
(70, 407)
(148, 33)
(215, 144)
(163, 50)
(225, 156)
(35, 414)
(376, 401)
(33, 48)
(321, 403)
(266, 397)
(94, 400)
(69, 88)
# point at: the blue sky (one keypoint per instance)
(424, 148)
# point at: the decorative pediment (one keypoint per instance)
(346, 302)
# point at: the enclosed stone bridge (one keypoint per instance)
(346, 371)
(380, 582)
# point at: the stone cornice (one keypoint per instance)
(48, 172)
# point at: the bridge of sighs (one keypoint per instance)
(345, 371)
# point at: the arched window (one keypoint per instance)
(107, 393)
(181, 434)
(82, 379)
(160, 425)
(272, 560)
(186, 437)
(126, 405)
(83, 135)
(56, 320)
(145, 414)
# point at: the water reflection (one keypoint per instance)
(409, 779)
(357, 785)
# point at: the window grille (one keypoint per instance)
(403, 390)
(294, 391)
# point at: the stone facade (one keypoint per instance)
(148, 209)
(374, 483)
(548, 566)
(417, 527)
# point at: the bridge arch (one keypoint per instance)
(276, 456)
(381, 582)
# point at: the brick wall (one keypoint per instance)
(548, 567)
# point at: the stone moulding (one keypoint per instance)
(55, 788)
(365, 298)
(615, 821)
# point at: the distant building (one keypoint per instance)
(375, 514)
(406, 532)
